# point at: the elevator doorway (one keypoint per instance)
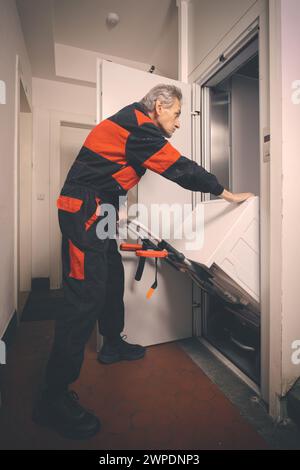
(230, 113)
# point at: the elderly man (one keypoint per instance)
(114, 157)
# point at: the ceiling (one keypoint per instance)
(147, 31)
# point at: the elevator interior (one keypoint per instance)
(230, 110)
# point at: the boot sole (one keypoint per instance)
(45, 421)
(118, 358)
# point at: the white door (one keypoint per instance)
(71, 139)
(167, 316)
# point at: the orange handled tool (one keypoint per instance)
(152, 253)
(143, 254)
(130, 246)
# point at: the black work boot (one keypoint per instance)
(63, 413)
(114, 350)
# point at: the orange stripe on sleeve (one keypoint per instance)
(163, 159)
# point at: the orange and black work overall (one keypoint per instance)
(93, 283)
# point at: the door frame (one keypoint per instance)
(206, 151)
(57, 119)
(19, 81)
(255, 20)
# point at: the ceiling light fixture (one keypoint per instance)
(112, 19)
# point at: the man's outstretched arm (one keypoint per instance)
(149, 149)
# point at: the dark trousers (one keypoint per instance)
(93, 284)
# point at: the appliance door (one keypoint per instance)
(167, 316)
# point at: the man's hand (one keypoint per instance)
(235, 197)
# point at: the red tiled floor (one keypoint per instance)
(163, 401)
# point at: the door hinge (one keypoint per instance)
(195, 113)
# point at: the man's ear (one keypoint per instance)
(158, 107)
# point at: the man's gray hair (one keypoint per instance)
(165, 93)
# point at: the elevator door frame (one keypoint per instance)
(207, 163)
(258, 27)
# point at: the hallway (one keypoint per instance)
(187, 120)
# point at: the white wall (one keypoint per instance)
(11, 43)
(80, 64)
(48, 97)
(290, 37)
(285, 225)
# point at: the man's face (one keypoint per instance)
(168, 118)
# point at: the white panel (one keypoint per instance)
(231, 241)
(167, 316)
